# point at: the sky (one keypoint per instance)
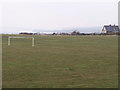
(56, 15)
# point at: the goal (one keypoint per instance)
(20, 37)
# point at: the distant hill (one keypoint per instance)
(69, 30)
(9, 30)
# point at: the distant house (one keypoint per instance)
(110, 29)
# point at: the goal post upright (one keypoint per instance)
(33, 40)
(8, 41)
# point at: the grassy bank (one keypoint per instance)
(61, 62)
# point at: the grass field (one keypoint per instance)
(61, 62)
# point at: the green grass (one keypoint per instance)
(61, 62)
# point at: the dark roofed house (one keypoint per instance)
(110, 29)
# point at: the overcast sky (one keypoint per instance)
(58, 15)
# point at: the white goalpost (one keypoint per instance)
(20, 37)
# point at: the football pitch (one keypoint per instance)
(60, 62)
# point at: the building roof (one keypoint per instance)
(112, 28)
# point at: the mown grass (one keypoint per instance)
(61, 62)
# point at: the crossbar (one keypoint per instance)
(19, 37)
